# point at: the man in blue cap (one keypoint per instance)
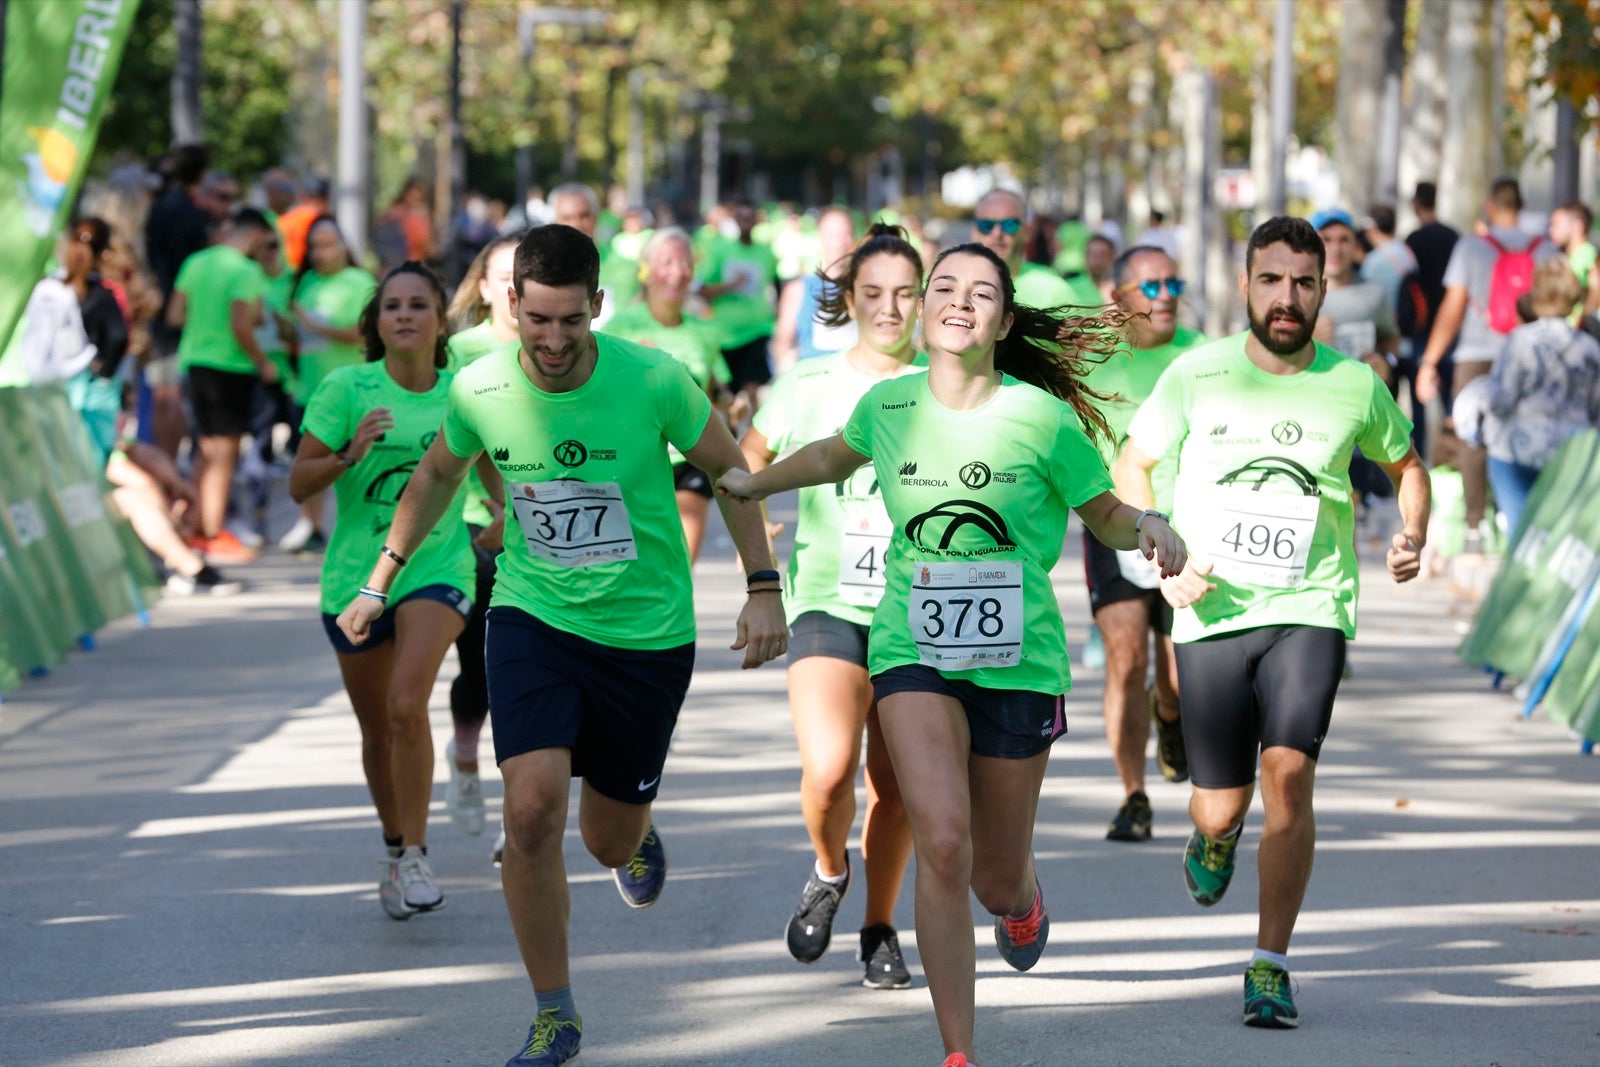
(1356, 317)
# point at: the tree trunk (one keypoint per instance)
(1421, 152)
(187, 127)
(1470, 156)
(1356, 108)
(1386, 179)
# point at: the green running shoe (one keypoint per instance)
(1208, 866)
(1268, 1000)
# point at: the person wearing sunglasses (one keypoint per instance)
(1003, 224)
(1124, 590)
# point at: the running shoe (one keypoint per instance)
(315, 544)
(1132, 822)
(499, 854)
(417, 888)
(552, 1041)
(207, 581)
(1171, 755)
(297, 536)
(390, 895)
(226, 548)
(811, 926)
(956, 1059)
(1094, 650)
(1208, 866)
(1021, 941)
(641, 879)
(880, 952)
(1268, 1000)
(463, 795)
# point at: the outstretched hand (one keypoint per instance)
(1162, 546)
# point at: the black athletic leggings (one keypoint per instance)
(1254, 689)
(469, 693)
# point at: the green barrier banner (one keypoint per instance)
(77, 490)
(60, 61)
(24, 638)
(1545, 567)
(1574, 695)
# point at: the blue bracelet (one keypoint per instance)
(375, 594)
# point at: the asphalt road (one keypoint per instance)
(188, 869)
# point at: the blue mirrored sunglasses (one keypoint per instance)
(1151, 287)
(1009, 227)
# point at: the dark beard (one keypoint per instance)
(1297, 341)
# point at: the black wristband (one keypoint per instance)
(763, 576)
(392, 554)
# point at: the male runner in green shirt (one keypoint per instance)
(1003, 223)
(1262, 425)
(591, 630)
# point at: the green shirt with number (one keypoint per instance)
(593, 542)
(992, 485)
(368, 492)
(838, 563)
(211, 281)
(1252, 446)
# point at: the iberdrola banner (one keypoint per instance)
(60, 60)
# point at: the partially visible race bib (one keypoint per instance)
(1258, 538)
(1138, 570)
(863, 543)
(966, 615)
(574, 524)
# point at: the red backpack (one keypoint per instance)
(1513, 276)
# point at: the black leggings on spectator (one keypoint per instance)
(469, 693)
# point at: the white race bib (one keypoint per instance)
(967, 615)
(574, 524)
(1138, 570)
(1258, 538)
(863, 543)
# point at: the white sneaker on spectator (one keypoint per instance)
(247, 535)
(463, 795)
(499, 846)
(298, 535)
(418, 892)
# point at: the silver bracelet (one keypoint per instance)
(376, 594)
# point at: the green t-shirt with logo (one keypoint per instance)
(593, 542)
(747, 313)
(1130, 374)
(979, 500)
(368, 492)
(211, 280)
(1263, 483)
(335, 300)
(842, 536)
(462, 349)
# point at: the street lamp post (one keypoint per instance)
(527, 21)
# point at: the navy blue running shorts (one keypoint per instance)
(1251, 690)
(615, 708)
(382, 629)
(1004, 723)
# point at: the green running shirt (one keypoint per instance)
(843, 531)
(593, 542)
(212, 279)
(1263, 482)
(368, 492)
(979, 501)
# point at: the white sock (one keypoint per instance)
(1271, 957)
(831, 879)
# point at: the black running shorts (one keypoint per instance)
(220, 402)
(816, 633)
(1004, 723)
(1108, 586)
(615, 708)
(1253, 690)
(686, 477)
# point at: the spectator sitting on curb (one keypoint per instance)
(156, 500)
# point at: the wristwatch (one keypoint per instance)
(1138, 524)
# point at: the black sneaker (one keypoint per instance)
(1132, 822)
(315, 545)
(885, 967)
(207, 581)
(1171, 755)
(811, 925)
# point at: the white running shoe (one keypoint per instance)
(248, 537)
(417, 889)
(390, 895)
(298, 535)
(499, 846)
(463, 795)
